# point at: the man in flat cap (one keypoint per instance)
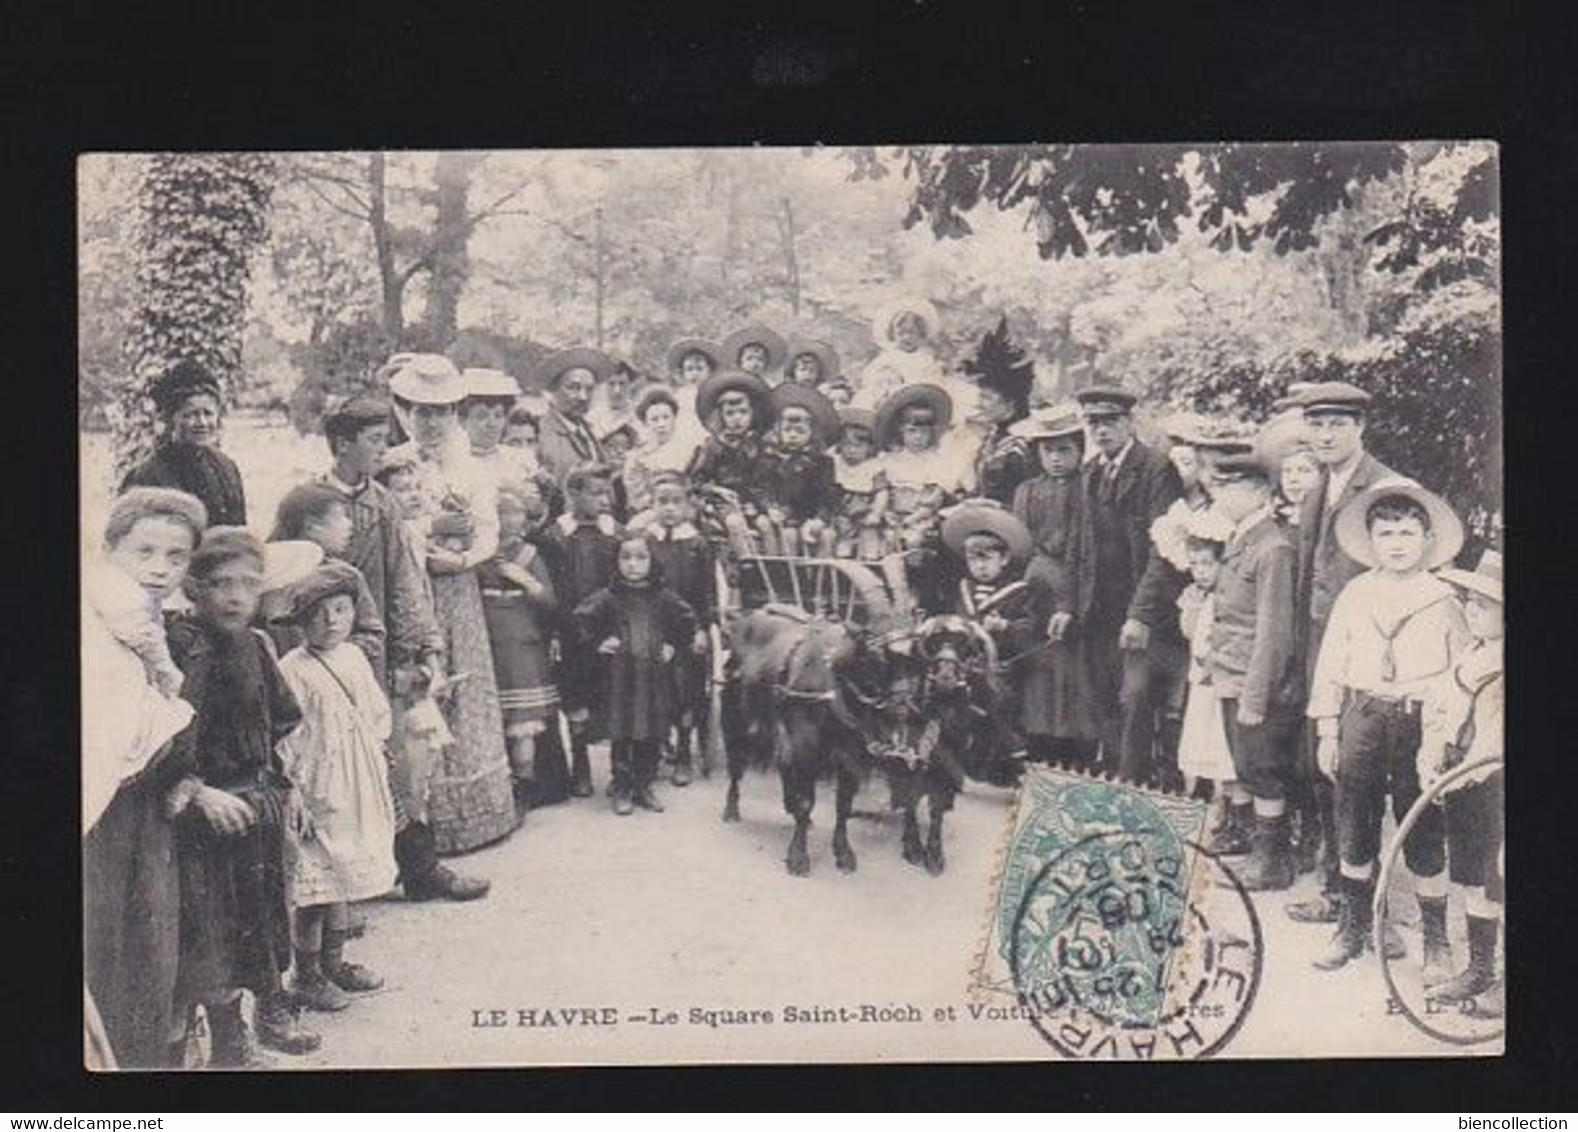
(1334, 419)
(1128, 485)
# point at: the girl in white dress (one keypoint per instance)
(336, 759)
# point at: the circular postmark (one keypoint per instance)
(1136, 944)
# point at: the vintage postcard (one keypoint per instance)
(857, 603)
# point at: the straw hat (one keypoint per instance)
(732, 380)
(825, 356)
(482, 382)
(288, 561)
(1050, 422)
(921, 394)
(888, 313)
(705, 347)
(854, 416)
(1283, 435)
(561, 362)
(824, 417)
(985, 517)
(428, 379)
(755, 335)
(1352, 529)
(1484, 579)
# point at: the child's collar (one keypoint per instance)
(1001, 592)
(569, 524)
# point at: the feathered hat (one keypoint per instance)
(1000, 365)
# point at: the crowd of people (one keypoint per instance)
(485, 583)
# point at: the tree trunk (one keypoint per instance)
(791, 263)
(391, 283)
(449, 263)
(203, 215)
(599, 268)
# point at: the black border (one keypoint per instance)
(86, 76)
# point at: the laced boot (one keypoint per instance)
(424, 878)
(231, 1041)
(1480, 973)
(1353, 926)
(1270, 864)
(1433, 934)
(343, 974)
(280, 1028)
(581, 766)
(1232, 837)
(312, 989)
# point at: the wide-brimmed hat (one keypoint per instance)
(428, 379)
(1331, 397)
(1484, 579)
(1283, 435)
(888, 313)
(484, 382)
(1050, 422)
(704, 346)
(325, 581)
(182, 380)
(758, 335)
(857, 416)
(824, 417)
(985, 517)
(733, 380)
(823, 352)
(922, 394)
(1352, 526)
(561, 362)
(1105, 401)
(288, 561)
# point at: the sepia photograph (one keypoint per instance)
(844, 604)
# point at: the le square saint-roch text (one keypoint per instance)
(593, 1017)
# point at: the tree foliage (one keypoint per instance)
(202, 217)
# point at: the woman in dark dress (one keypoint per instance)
(1056, 712)
(1004, 376)
(188, 456)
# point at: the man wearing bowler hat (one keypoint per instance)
(1132, 644)
(1334, 420)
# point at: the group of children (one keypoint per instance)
(275, 730)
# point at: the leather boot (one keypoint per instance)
(549, 770)
(1433, 933)
(311, 988)
(231, 1045)
(621, 789)
(1270, 864)
(1232, 838)
(1480, 973)
(347, 976)
(681, 773)
(1353, 926)
(1304, 839)
(279, 1028)
(423, 877)
(580, 766)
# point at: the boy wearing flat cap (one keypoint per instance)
(1253, 665)
(1134, 644)
(1334, 414)
(358, 436)
(1394, 630)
